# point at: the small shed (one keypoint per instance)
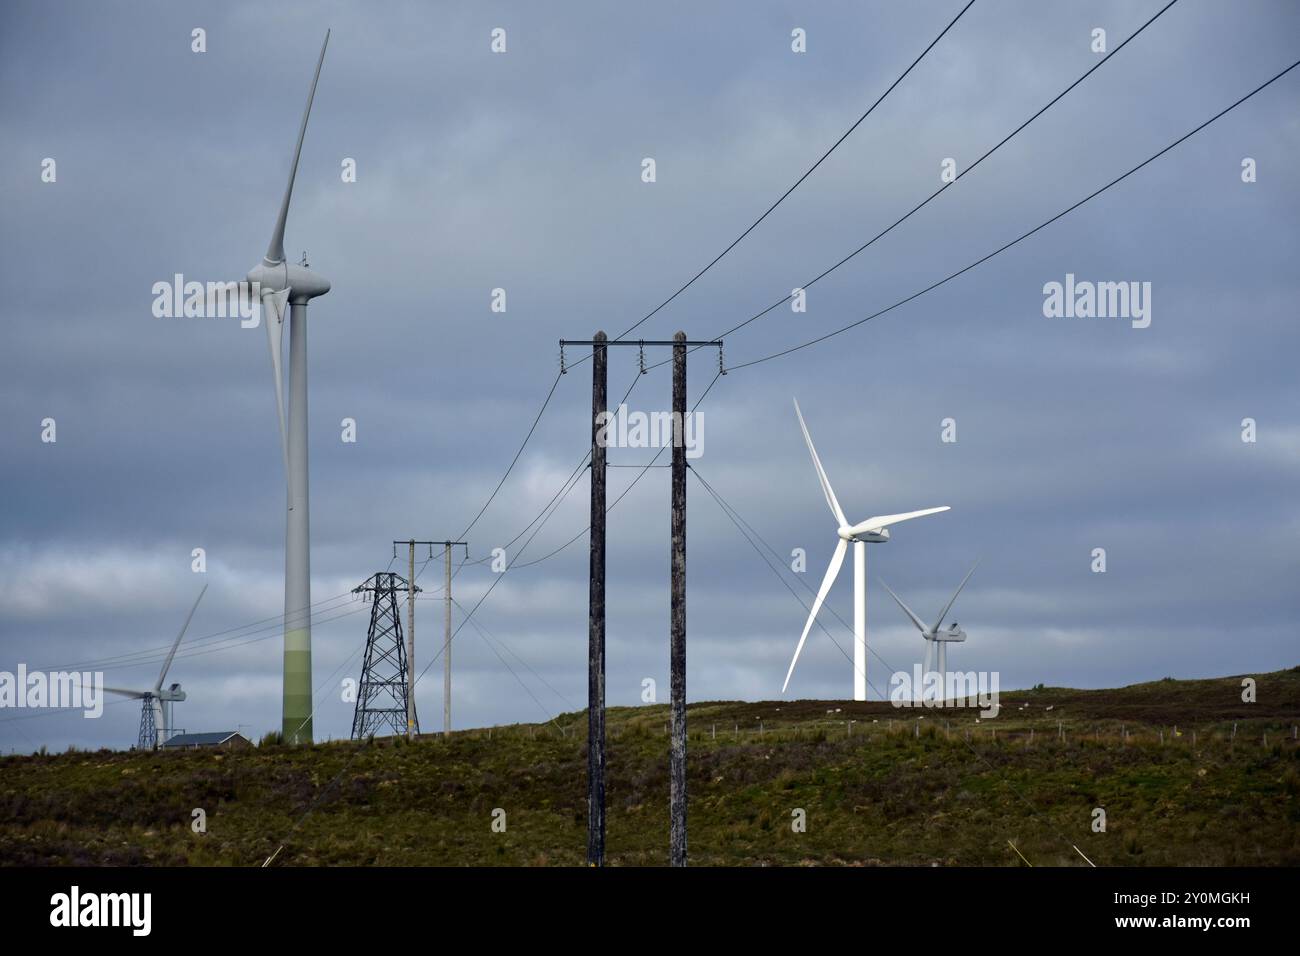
(217, 739)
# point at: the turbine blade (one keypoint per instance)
(947, 607)
(920, 626)
(827, 490)
(162, 675)
(275, 252)
(137, 694)
(273, 304)
(884, 521)
(832, 570)
(929, 657)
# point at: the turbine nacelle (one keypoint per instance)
(872, 537)
(303, 283)
(951, 633)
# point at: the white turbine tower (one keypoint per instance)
(279, 282)
(936, 639)
(873, 530)
(156, 714)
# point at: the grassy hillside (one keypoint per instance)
(946, 789)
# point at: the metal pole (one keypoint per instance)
(677, 654)
(596, 612)
(446, 644)
(296, 725)
(410, 648)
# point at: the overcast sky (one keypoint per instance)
(522, 170)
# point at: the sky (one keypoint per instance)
(522, 170)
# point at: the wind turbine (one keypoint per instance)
(155, 717)
(279, 282)
(936, 639)
(874, 530)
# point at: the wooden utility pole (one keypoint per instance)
(446, 641)
(600, 345)
(412, 724)
(596, 610)
(410, 648)
(677, 653)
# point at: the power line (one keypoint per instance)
(528, 690)
(273, 623)
(644, 469)
(1006, 139)
(234, 639)
(161, 651)
(55, 711)
(512, 566)
(496, 580)
(514, 460)
(925, 202)
(565, 487)
(255, 640)
(735, 242)
(548, 684)
(1023, 236)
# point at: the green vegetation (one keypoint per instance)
(948, 789)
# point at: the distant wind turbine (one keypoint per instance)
(156, 714)
(873, 530)
(936, 639)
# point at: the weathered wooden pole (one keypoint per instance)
(410, 647)
(596, 612)
(677, 654)
(446, 639)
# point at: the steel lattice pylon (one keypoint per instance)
(148, 728)
(381, 698)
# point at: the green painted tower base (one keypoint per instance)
(297, 725)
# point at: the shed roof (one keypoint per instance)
(209, 739)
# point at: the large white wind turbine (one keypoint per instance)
(936, 638)
(279, 282)
(873, 530)
(156, 714)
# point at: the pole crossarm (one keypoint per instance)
(642, 344)
(638, 343)
(430, 544)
